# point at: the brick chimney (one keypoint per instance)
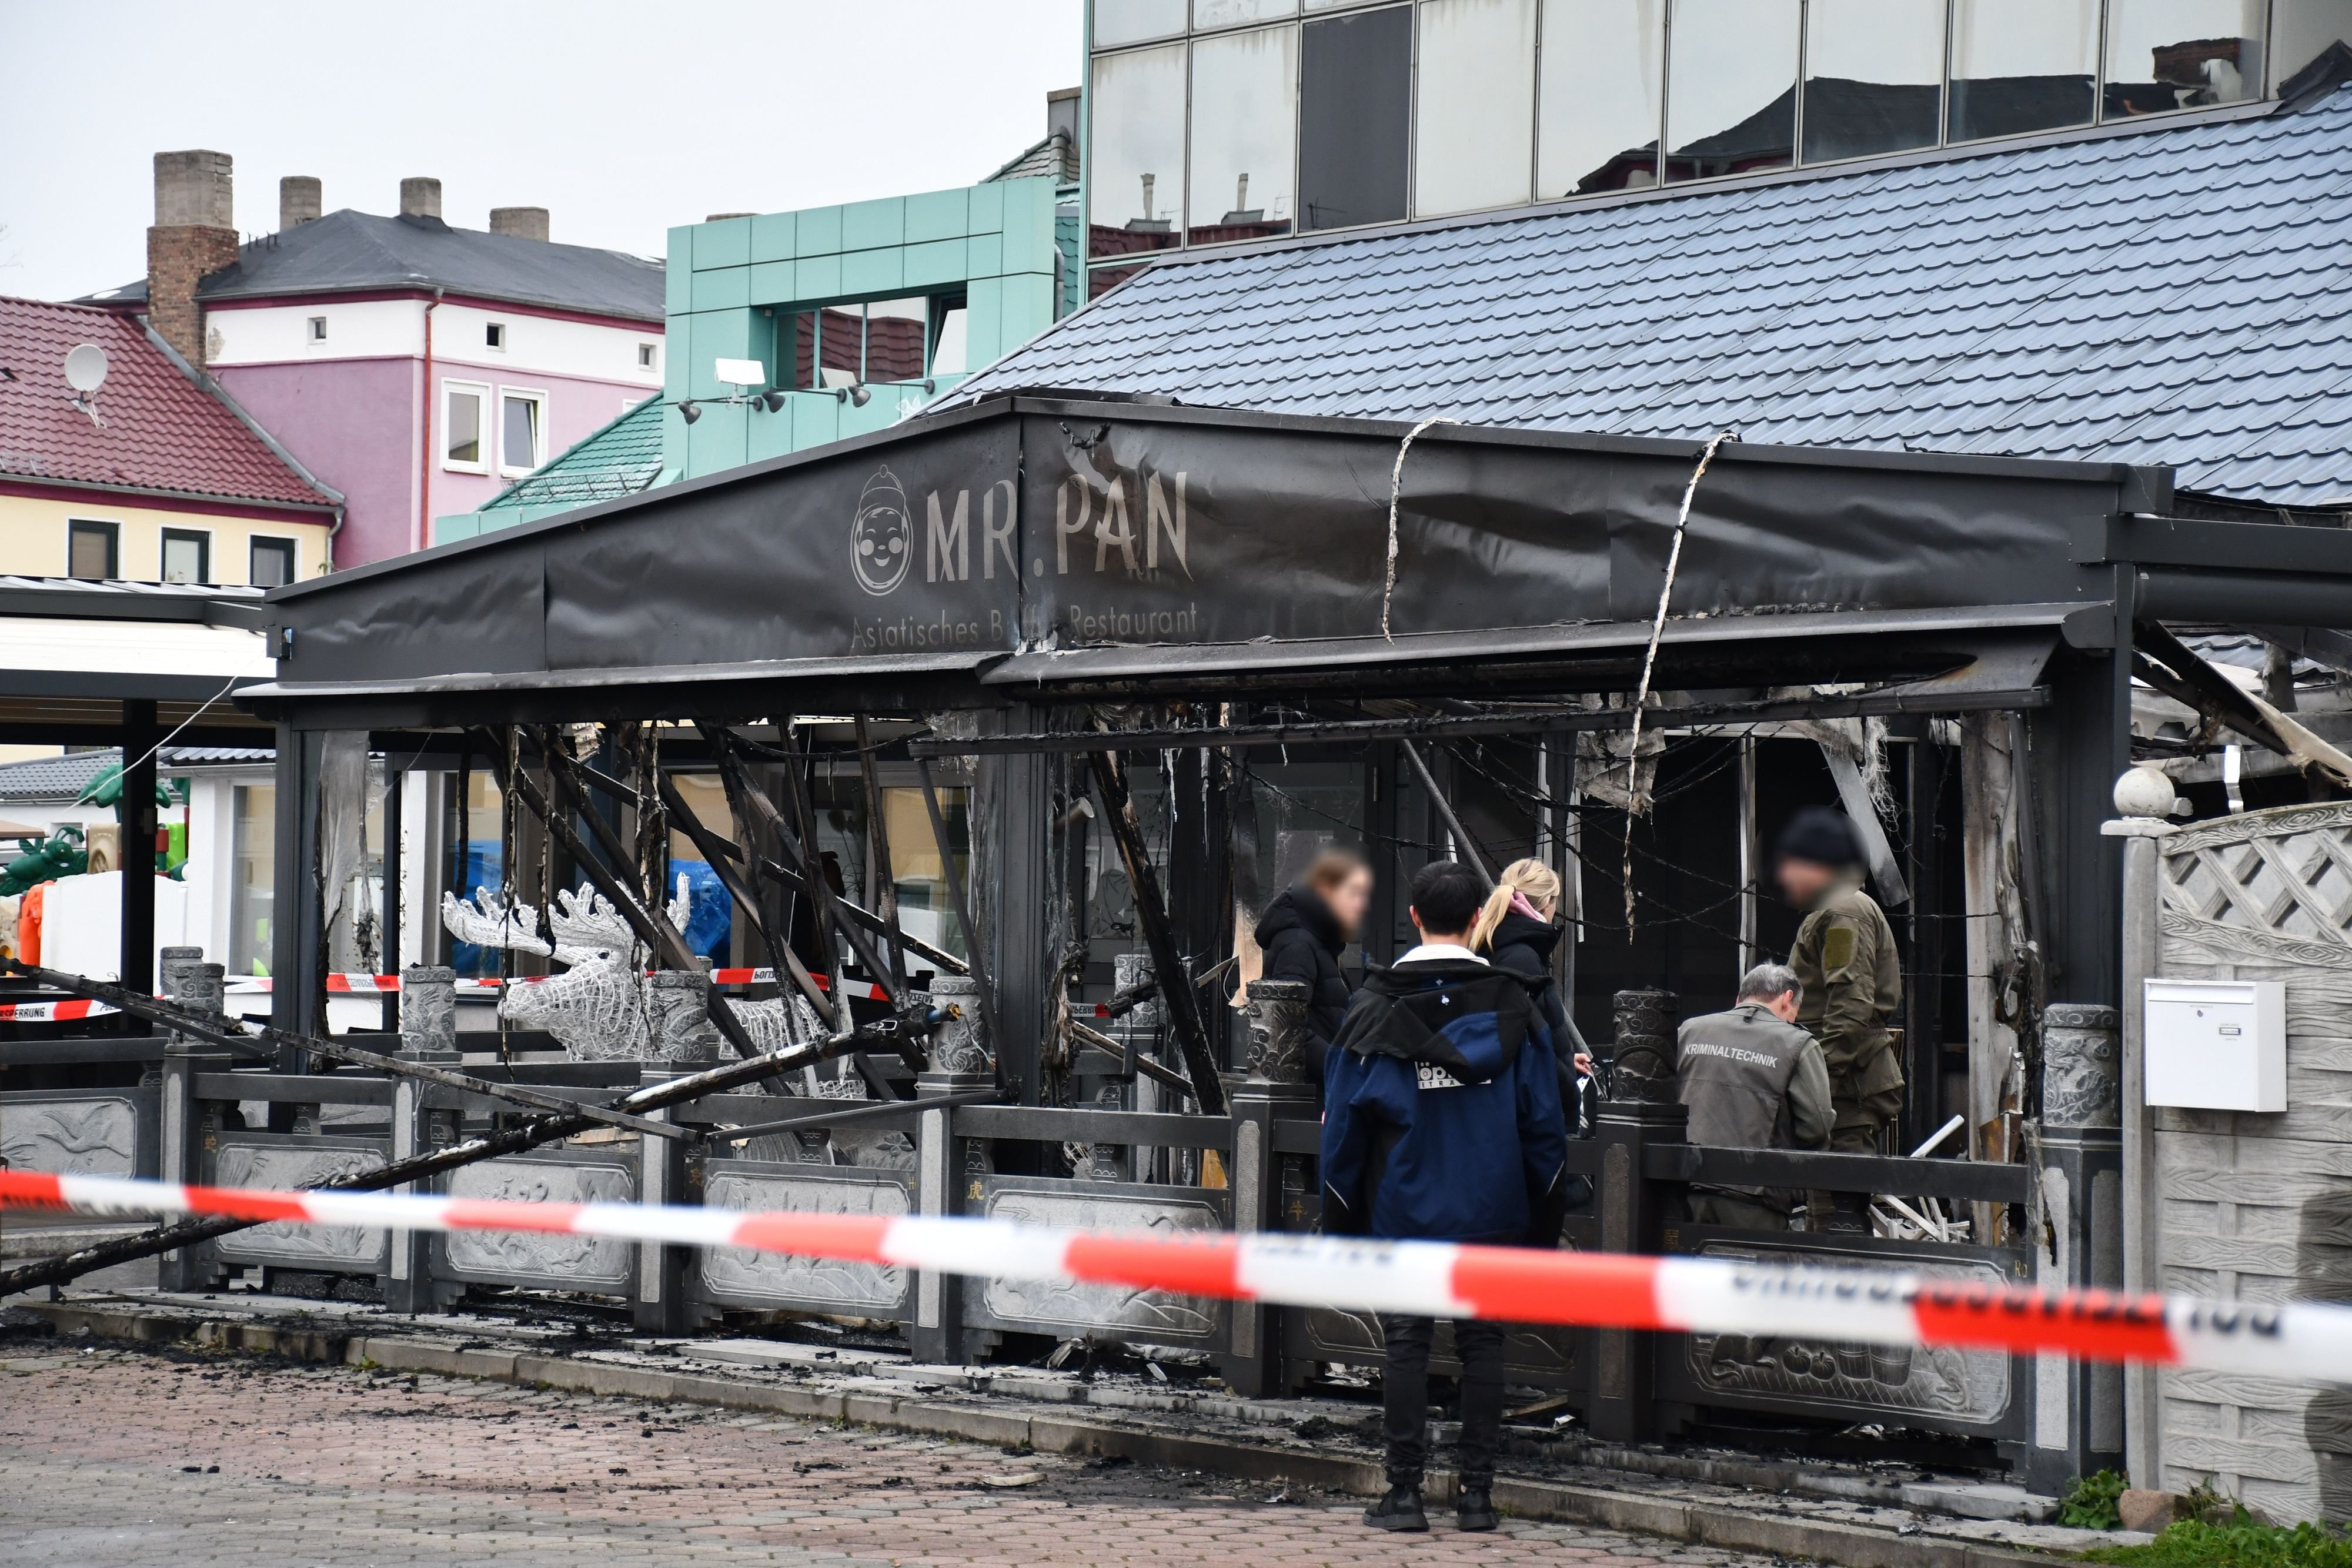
(520, 223)
(420, 197)
(301, 198)
(1061, 112)
(194, 234)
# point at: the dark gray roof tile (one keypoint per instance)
(2180, 296)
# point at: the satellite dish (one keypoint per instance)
(86, 368)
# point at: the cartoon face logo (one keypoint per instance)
(882, 538)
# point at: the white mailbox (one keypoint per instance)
(2216, 1045)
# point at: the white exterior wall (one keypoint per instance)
(210, 875)
(536, 345)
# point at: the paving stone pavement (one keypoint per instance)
(137, 1457)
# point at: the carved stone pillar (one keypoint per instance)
(1277, 1090)
(951, 1172)
(428, 1012)
(186, 1124)
(1641, 1062)
(2079, 1405)
(677, 1007)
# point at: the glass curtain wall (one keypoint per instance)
(1135, 160)
(1599, 93)
(1245, 135)
(1873, 77)
(1731, 87)
(2163, 55)
(2019, 66)
(1212, 121)
(1476, 84)
(1355, 118)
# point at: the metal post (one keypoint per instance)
(388, 960)
(1751, 893)
(138, 814)
(2144, 797)
(1277, 1089)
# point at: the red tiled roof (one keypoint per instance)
(161, 432)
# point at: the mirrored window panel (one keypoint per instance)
(1120, 22)
(1476, 83)
(2167, 55)
(1355, 118)
(828, 346)
(2020, 65)
(1873, 77)
(895, 331)
(1135, 174)
(1244, 134)
(1598, 99)
(1731, 87)
(1239, 13)
(951, 338)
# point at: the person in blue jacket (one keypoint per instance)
(1441, 1123)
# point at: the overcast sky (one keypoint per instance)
(622, 119)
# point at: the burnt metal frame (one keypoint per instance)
(2074, 725)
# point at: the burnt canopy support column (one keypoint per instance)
(297, 942)
(1021, 960)
(139, 737)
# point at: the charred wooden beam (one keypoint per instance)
(789, 879)
(654, 931)
(782, 960)
(963, 902)
(1524, 722)
(750, 799)
(530, 1135)
(886, 882)
(1151, 914)
(854, 1111)
(222, 1033)
(1469, 846)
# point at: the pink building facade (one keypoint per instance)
(418, 368)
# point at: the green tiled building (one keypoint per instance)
(852, 315)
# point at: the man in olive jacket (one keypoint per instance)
(1845, 959)
(1753, 1080)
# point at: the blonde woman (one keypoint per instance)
(1516, 931)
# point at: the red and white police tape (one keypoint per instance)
(51, 1012)
(2308, 1341)
(376, 985)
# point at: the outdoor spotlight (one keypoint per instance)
(771, 400)
(690, 410)
(856, 395)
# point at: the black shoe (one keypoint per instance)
(1399, 1509)
(1474, 1508)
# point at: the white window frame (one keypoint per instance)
(113, 523)
(293, 555)
(314, 331)
(488, 428)
(649, 356)
(539, 431)
(500, 329)
(206, 541)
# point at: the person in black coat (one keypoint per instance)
(1304, 931)
(1516, 932)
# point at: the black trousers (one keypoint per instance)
(1404, 1397)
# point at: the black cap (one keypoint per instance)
(1818, 834)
